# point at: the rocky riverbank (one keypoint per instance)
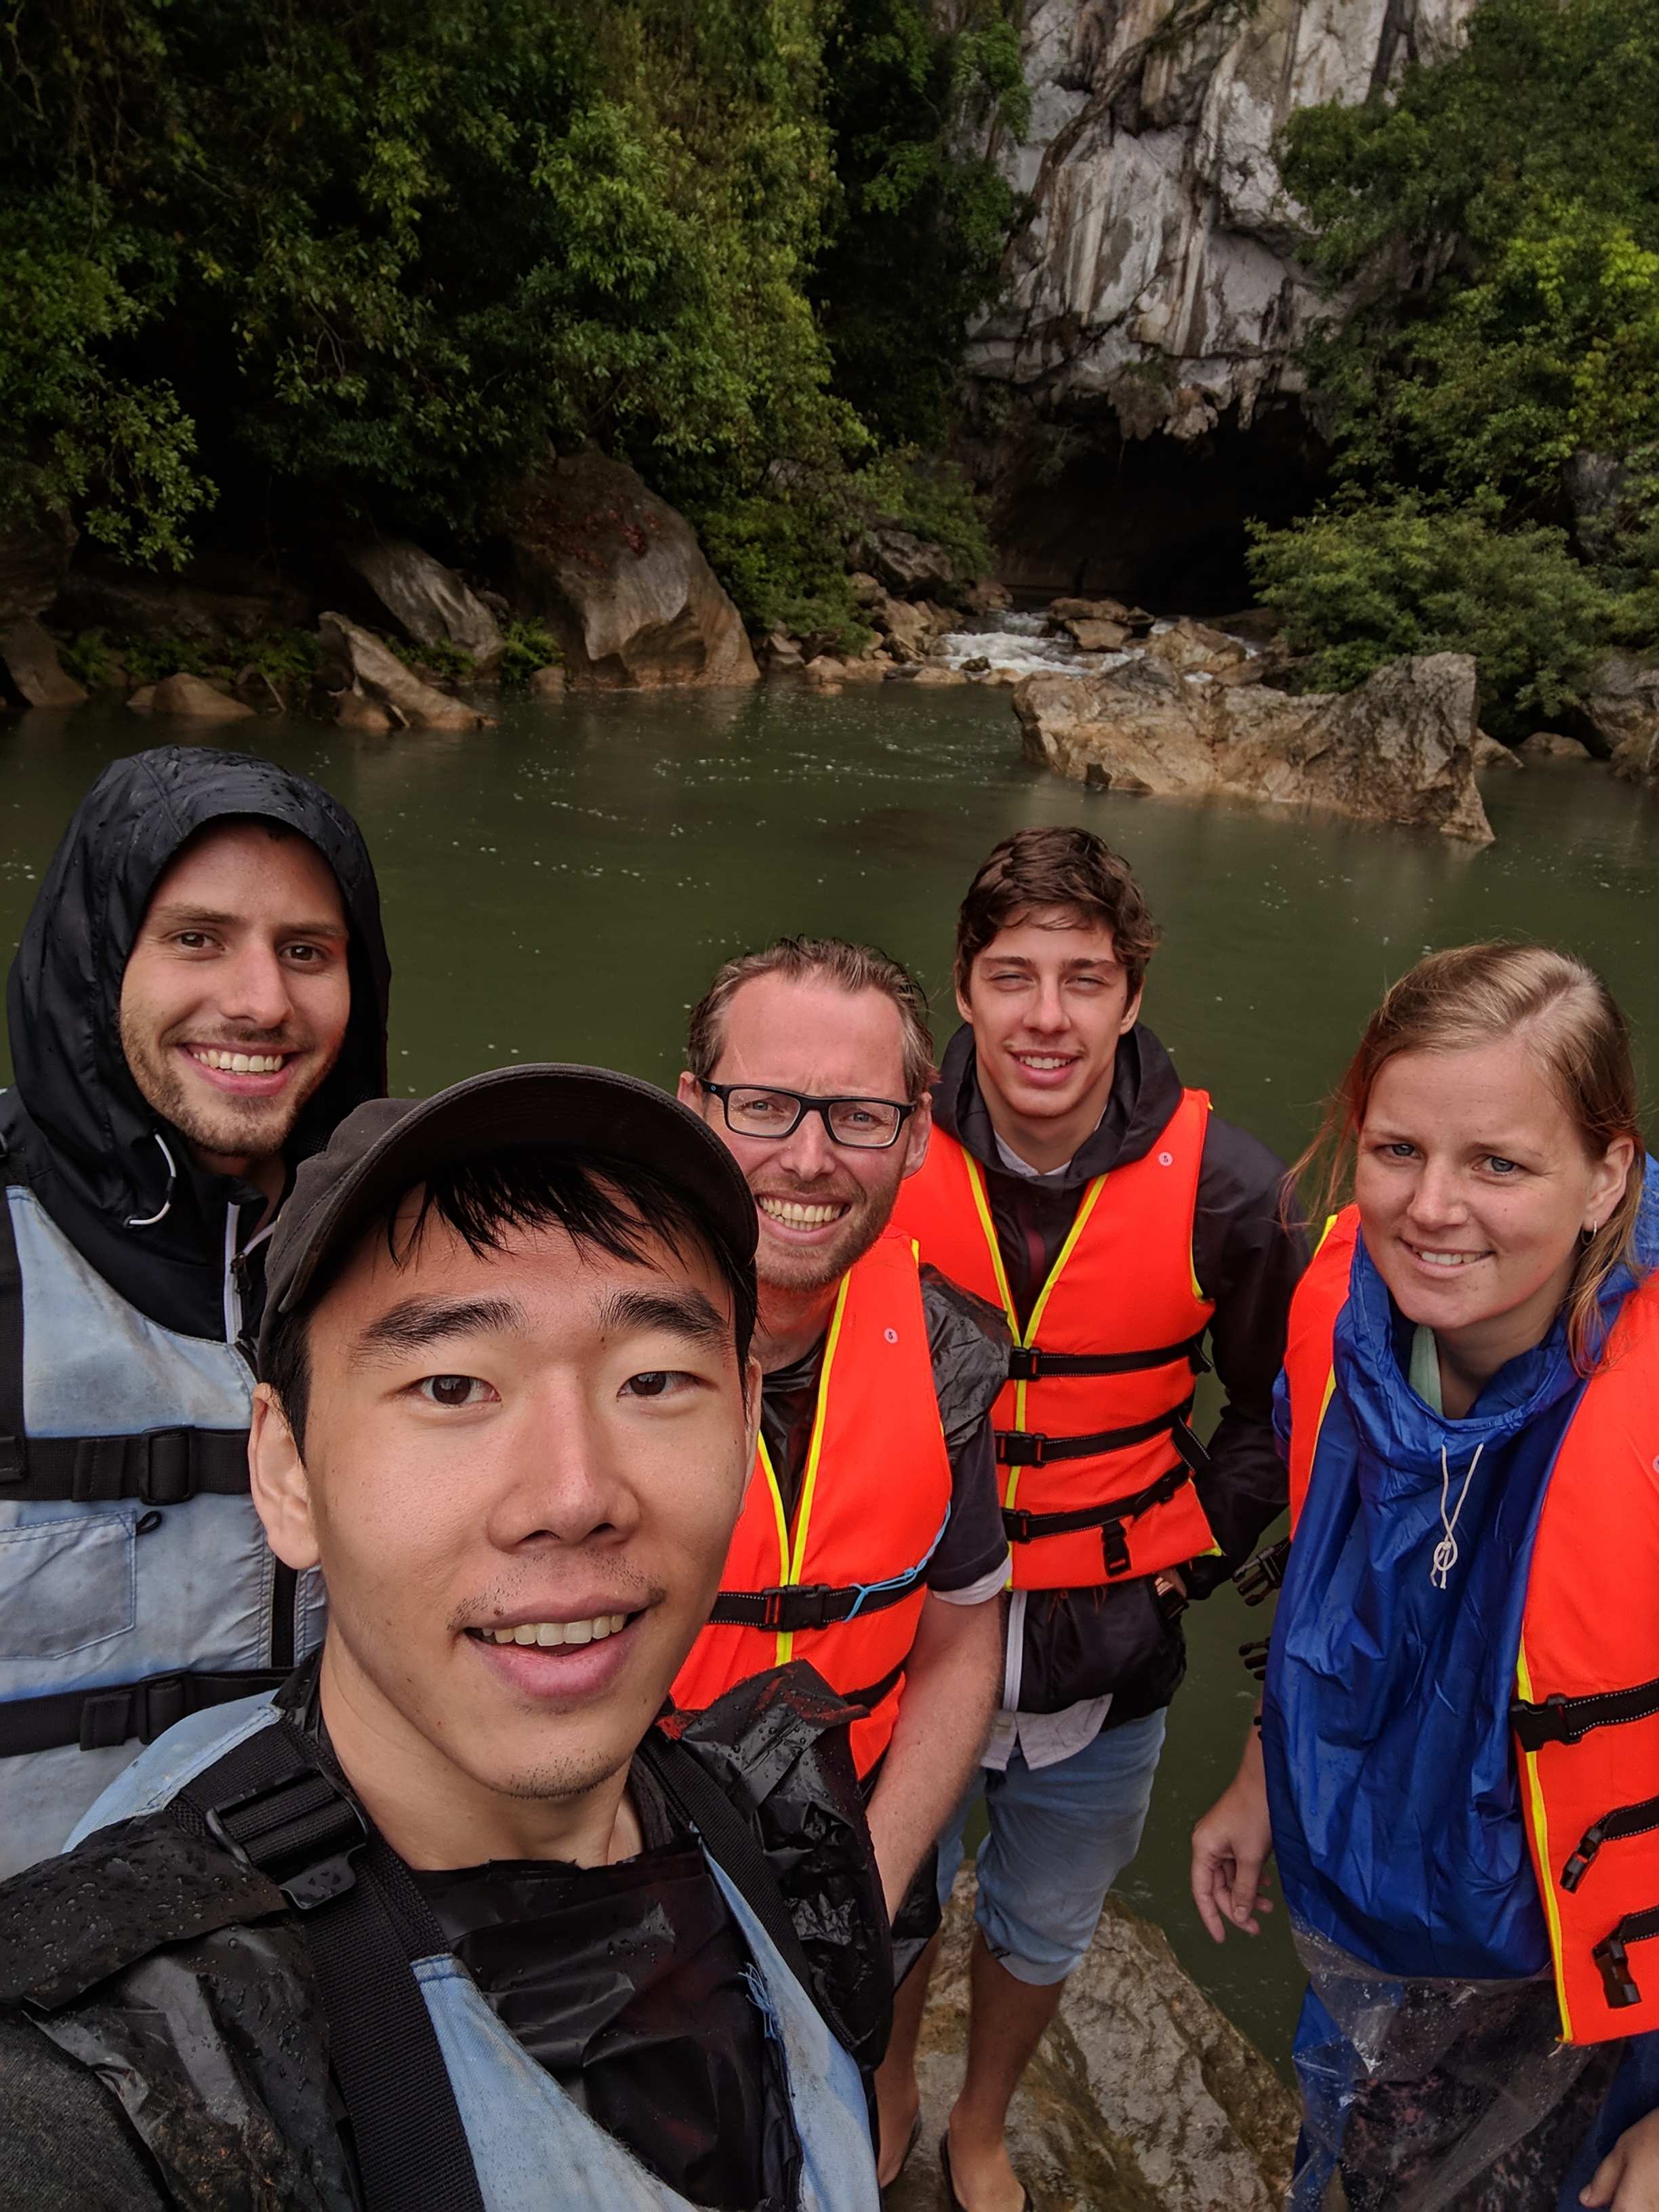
(1142, 2097)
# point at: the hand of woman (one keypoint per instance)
(1231, 1846)
(1627, 2179)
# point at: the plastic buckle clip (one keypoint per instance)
(1021, 1447)
(166, 1479)
(794, 1606)
(1613, 1959)
(1024, 1364)
(1114, 1548)
(282, 1842)
(1578, 1865)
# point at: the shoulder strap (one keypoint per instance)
(731, 1841)
(11, 1343)
(272, 1804)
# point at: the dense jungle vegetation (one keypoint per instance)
(1496, 427)
(287, 262)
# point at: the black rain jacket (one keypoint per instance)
(1083, 1644)
(76, 1127)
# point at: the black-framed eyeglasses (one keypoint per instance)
(864, 1124)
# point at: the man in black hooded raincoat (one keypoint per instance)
(136, 1584)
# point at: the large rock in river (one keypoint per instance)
(1142, 2097)
(30, 659)
(619, 577)
(428, 602)
(1400, 749)
(363, 665)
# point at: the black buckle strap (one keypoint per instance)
(787, 1608)
(1023, 1528)
(1028, 1448)
(1611, 1955)
(98, 1720)
(1260, 1576)
(871, 1697)
(1615, 1828)
(157, 1467)
(302, 1831)
(1030, 1363)
(1566, 1720)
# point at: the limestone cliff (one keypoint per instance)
(1152, 294)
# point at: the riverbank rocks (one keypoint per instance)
(1550, 745)
(1619, 716)
(1493, 752)
(427, 601)
(1195, 649)
(1091, 636)
(1400, 749)
(913, 567)
(619, 577)
(30, 659)
(191, 696)
(1142, 2097)
(366, 666)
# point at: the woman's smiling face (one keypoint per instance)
(1473, 1184)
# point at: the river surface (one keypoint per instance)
(561, 887)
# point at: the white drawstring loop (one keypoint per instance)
(150, 1220)
(1445, 1552)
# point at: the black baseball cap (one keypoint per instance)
(383, 1148)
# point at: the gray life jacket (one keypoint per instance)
(135, 1583)
(213, 2046)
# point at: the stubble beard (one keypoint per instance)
(229, 1127)
(781, 1268)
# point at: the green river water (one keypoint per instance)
(561, 887)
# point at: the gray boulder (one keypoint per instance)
(191, 696)
(619, 577)
(359, 662)
(1550, 745)
(1142, 2097)
(427, 602)
(1400, 749)
(1619, 716)
(1491, 752)
(31, 661)
(911, 565)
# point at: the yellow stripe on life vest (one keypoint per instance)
(776, 1496)
(982, 1207)
(809, 1486)
(1090, 1198)
(1546, 1857)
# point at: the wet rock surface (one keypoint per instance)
(618, 576)
(427, 602)
(361, 664)
(1400, 749)
(30, 659)
(1142, 2097)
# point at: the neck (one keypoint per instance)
(790, 1323)
(265, 1171)
(433, 1814)
(1055, 1139)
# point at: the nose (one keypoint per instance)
(254, 988)
(1045, 1009)
(1437, 1199)
(807, 1153)
(564, 1481)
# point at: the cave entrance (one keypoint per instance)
(1158, 520)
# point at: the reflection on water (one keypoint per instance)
(561, 887)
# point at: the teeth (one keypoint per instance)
(795, 1216)
(238, 1063)
(1449, 1259)
(1040, 1060)
(548, 1633)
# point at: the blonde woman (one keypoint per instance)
(1458, 1762)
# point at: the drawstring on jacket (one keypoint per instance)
(150, 1220)
(1445, 1552)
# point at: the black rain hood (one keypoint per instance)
(76, 1129)
(1146, 1092)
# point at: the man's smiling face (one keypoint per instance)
(1049, 1002)
(237, 993)
(521, 1470)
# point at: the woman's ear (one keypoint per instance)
(280, 1485)
(1610, 1181)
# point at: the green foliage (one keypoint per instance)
(923, 213)
(285, 657)
(1521, 179)
(1362, 582)
(442, 662)
(527, 647)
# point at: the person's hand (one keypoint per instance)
(1627, 2179)
(1231, 1846)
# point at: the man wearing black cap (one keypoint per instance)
(200, 995)
(446, 1920)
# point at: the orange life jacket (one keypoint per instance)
(843, 1587)
(1092, 1425)
(1586, 1710)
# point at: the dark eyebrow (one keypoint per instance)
(418, 1322)
(191, 917)
(686, 1313)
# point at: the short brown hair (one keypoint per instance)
(817, 959)
(1056, 868)
(1477, 995)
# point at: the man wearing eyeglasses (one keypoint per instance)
(871, 1539)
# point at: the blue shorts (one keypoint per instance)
(1060, 1836)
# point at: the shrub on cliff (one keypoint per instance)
(1361, 582)
(1519, 180)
